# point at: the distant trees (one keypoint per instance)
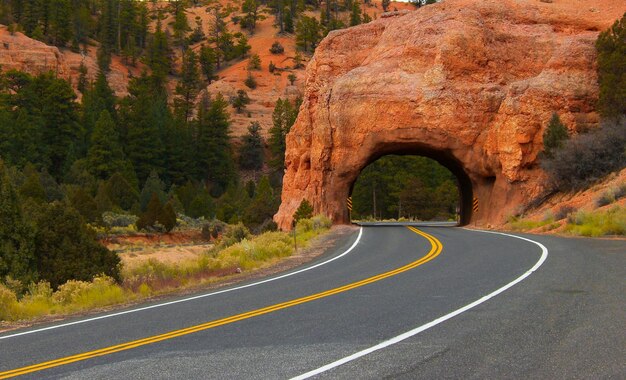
(405, 186)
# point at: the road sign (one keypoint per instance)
(475, 205)
(349, 201)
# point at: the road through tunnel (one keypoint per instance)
(411, 183)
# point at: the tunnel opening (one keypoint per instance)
(412, 184)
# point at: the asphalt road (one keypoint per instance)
(566, 319)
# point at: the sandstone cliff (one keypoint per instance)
(469, 83)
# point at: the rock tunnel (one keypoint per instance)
(471, 85)
(467, 204)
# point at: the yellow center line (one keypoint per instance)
(435, 250)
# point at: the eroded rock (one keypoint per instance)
(471, 84)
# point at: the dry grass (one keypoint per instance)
(151, 276)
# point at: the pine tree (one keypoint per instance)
(181, 27)
(121, 192)
(240, 101)
(215, 162)
(283, 117)
(304, 211)
(263, 205)
(32, 188)
(208, 61)
(355, 13)
(153, 186)
(105, 155)
(251, 9)
(159, 53)
(251, 152)
(149, 218)
(188, 87)
(307, 33)
(167, 217)
(611, 47)
(147, 117)
(17, 251)
(554, 136)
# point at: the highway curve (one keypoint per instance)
(387, 302)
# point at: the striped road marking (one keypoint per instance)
(435, 250)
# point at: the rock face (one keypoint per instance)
(471, 84)
(19, 52)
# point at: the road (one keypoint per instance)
(386, 302)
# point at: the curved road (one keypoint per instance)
(566, 319)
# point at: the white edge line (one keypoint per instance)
(189, 298)
(417, 330)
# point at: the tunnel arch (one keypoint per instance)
(444, 158)
(413, 83)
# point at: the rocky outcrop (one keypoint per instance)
(19, 52)
(471, 84)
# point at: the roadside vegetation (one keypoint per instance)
(236, 251)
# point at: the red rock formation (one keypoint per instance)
(19, 52)
(469, 83)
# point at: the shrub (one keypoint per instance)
(272, 67)
(277, 48)
(213, 229)
(8, 303)
(587, 158)
(563, 212)
(254, 63)
(598, 223)
(292, 78)
(112, 219)
(250, 81)
(235, 233)
(605, 199)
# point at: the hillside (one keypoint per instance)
(32, 56)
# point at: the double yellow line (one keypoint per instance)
(435, 250)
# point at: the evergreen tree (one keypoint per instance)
(251, 153)
(167, 217)
(121, 192)
(98, 98)
(149, 218)
(304, 211)
(181, 27)
(67, 250)
(240, 101)
(147, 117)
(153, 186)
(214, 149)
(84, 204)
(554, 136)
(17, 251)
(611, 47)
(105, 155)
(283, 117)
(32, 188)
(307, 33)
(251, 10)
(158, 58)
(355, 13)
(188, 87)
(208, 61)
(263, 206)
(60, 26)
